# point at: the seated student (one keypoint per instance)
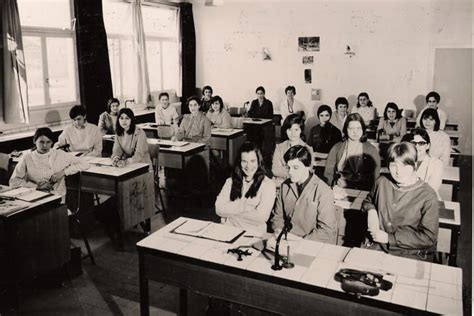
(261, 107)
(293, 129)
(130, 145)
(195, 127)
(440, 142)
(428, 169)
(290, 105)
(392, 127)
(108, 119)
(218, 115)
(324, 135)
(206, 98)
(365, 108)
(432, 102)
(247, 197)
(402, 210)
(164, 113)
(339, 117)
(45, 169)
(81, 136)
(353, 163)
(305, 200)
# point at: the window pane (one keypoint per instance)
(34, 69)
(129, 73)
(170, 65)
(117, 17)
(114, 59)
(45, 13)
(159, 21)
(154, 64)
(61, 70)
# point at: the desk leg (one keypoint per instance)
(183, 302)
(144, 297)
(454, 248)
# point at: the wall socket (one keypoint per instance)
(316, 94)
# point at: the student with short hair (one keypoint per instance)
(261, 107)
(108, 119)
(290, 105)
(402, 210)
(218, 115)
(432, 102)
(305, 200)
(164, 113)
(206, 98)
(365, 108)
(440, 141)
(324, 135)
(195, 126)
(80, 135)
(392, 127)
(342, 110)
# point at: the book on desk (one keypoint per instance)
(209, 230)
(24, 194)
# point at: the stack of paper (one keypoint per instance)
(25, 194)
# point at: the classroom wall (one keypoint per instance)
(394, 44)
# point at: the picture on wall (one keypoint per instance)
(308, 44)
(308, 60)
(266, 54)
(307, 76)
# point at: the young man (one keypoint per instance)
(81, 136)
(305, 200)
(164, 113)
(290, 105)
(432, 101)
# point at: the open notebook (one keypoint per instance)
(25, 194)
(209, 230)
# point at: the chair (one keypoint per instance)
(237, 122)
(165, 131)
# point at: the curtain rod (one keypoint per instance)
(160, 3)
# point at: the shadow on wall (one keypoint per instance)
(419, 102)
(52, 116)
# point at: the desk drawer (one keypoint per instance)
(170, 160)
(219, 143)
(98, 185)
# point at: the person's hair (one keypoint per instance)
(393, 106)
(433, 94)
(207, 88)
(430, 113)
(76, 111)
(165, 94)
(194, 98)
(118, 128)
(325, 107)
(355, 117)
(364, 94)
(288, 123)
(260, 88)
(110, 102)
(43, 131)
(290, 88)
(341, 100)
(214, 99)
(417, 131)
(238, 175)
(404, 150)
(301, 153)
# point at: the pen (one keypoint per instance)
(250, 236)
(7, 198)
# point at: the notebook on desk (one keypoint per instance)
(10, 206)
(209, 230)
(25, 194)
(170, 143)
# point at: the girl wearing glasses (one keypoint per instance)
(440, 141)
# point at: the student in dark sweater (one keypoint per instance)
(324, 135)
(261, 107)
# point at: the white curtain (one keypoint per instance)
(179, 84)
(15, 107)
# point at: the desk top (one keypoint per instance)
(19, 206)
(189, 147)
(227, 132)
(416, 284)
(256, 121)
(109, 171)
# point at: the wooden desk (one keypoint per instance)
(307, 289)
(229, 141)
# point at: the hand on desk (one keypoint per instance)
(44, 186)
(57, 177)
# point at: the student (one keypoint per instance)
(432, 102)
(290, 105)
(108, 119)
(293, 129)
(80, 135)
(305, 200)
(45, 169)
(247, 197)
(130, 145)
(428, 169)
(218, 115)
(261, 107)
(164, 113)
(402, 210)
(353, 163)
(392, 127)
(338, 118)
(440, 142)
(365, 108)
(324, 135)
(206, 98)
(195, 127)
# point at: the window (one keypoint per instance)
(161, 40)
(50, 54)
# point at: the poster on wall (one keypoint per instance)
(307, 76)
(308, 44)
(308, 60)
(266, 54)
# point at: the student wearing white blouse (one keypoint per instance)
(440, 142)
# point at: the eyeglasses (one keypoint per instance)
(422, 143)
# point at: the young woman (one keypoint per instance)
(130, 145)
(338, 118)
(247, 197)
(440, 142)
(324, 135)
(164, 113)
(45, 169)
(195, 127)
(365, 108)
(290, 105)
(428, 169)
(108, 119)
(392, 127)
(261, 107)
(293, 129)
(403, 211)
(206, 98)
(353, 163)
(219, 116)
(432, 101)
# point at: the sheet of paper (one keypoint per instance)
(105, 161)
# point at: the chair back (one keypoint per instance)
(237, 122)
(165, 131)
